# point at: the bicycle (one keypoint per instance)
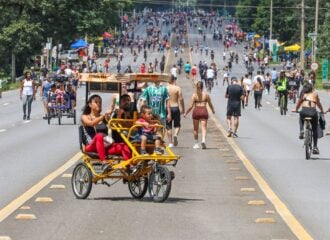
(282, 103)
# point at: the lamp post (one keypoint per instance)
(315, 29)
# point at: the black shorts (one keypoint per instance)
(175, 118)
(234, 110)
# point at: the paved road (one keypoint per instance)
(205, 201)
(271, 142)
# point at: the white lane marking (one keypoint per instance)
(3, 130)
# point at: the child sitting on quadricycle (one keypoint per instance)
(148, 132)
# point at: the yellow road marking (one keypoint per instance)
(281, 208)
(15, 204)
(67, 175)
(256, 202)
(26, 217)
(57, 186)
(44, 199)
(248, 189)
(25, 208)
(265, 220)
(241, 178)
(5, 238)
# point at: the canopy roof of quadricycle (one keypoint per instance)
(124, 78)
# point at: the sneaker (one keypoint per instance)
(234, 135)
(143, 152)
(196, 146)
(170, 145)
(24, 117)
(301, 135)
(203, 145)
(316, 150)
(28, 118)
(175, 140)
(229, 132)
(159, 151)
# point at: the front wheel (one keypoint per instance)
(81, 181)
(160, 183)
(138, 187)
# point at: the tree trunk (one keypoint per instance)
(13, 67)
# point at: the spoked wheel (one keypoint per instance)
(138, 187)
(160, 183)
(81, 181)
(308, 144)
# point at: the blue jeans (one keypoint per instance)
(27, 100)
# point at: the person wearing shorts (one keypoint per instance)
(199, 102)
(235, 95)
(176, 104)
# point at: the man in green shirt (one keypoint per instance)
(156, 96)
(282, 89)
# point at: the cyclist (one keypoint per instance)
(309, 100)
(282, 89)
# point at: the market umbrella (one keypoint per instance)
(292, 48)
(80, 43)
(107, 35)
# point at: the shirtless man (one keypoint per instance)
(175, 101)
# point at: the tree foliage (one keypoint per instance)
(323, 38)
(26, 24)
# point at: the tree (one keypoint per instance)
(323, 38)
(246, 11)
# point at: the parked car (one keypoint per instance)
(68, 55)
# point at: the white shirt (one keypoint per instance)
(260, 76)
(209, 73)
(247, 83)
(174, 72)
(27, 88)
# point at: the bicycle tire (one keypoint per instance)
(281, 106)
(138, 187)
(160, 180)
(308, 143)
(81, 181)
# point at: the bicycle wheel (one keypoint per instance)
(81, 181)
(138, 187)
(282, 105)
(160, 183)
(308, 143)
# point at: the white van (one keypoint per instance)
(68, 55)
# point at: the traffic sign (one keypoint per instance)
(311, 35)
(314, 66)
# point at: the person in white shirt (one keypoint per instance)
(266, 61)
(247, 83)
(209, 77)
(225, 76)
(259, 75)
(174, 72)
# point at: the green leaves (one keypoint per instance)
(26, 24)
